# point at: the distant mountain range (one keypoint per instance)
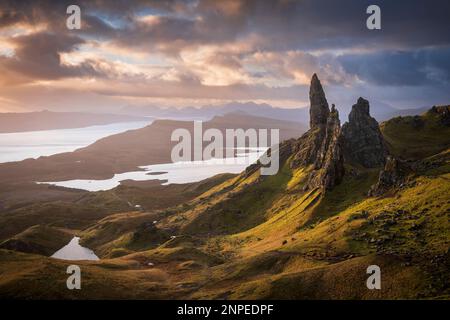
(380, 111)
(208, 112)
(49, 120)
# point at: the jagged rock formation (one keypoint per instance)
(393, 175)
(332, 131)
(330, 160)
(321, 145)
(307, 147)
(310, 144)
(363, 142)
(319, 111)
(326, 145)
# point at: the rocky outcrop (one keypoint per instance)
(393, 175)
(331, 135)
(319, 110)
(310, 144)
(327, 146)
(330, 160)
(321, 145)
(308, 147)
(363, 142)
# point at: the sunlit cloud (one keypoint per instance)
(199, 52)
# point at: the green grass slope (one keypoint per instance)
(255, 237)
(416, 137)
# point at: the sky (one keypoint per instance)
(204, 52)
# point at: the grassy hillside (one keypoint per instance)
(39, 239)
(288, 255)
(77, 210)
(252, 237)
(416, 137)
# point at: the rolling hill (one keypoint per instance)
(345, 197)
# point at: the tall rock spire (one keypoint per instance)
(330, 158)
(328, 147)
(319, 109)
(363, 141)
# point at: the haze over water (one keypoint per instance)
(34, 144)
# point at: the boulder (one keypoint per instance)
(393, 175)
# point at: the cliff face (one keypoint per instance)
(363, 142)
(330, 158)
(321, 145)
(327, 146)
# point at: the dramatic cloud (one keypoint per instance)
(38, 56)
(396, 68)
(202, 50)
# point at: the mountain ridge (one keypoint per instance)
(381, 111)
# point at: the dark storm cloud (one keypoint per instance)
(285, 24)
(342, 24)
(411, 49)
(304, 25)
(38, 56)
(10, 18)
(397, 68)
(53, 14)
